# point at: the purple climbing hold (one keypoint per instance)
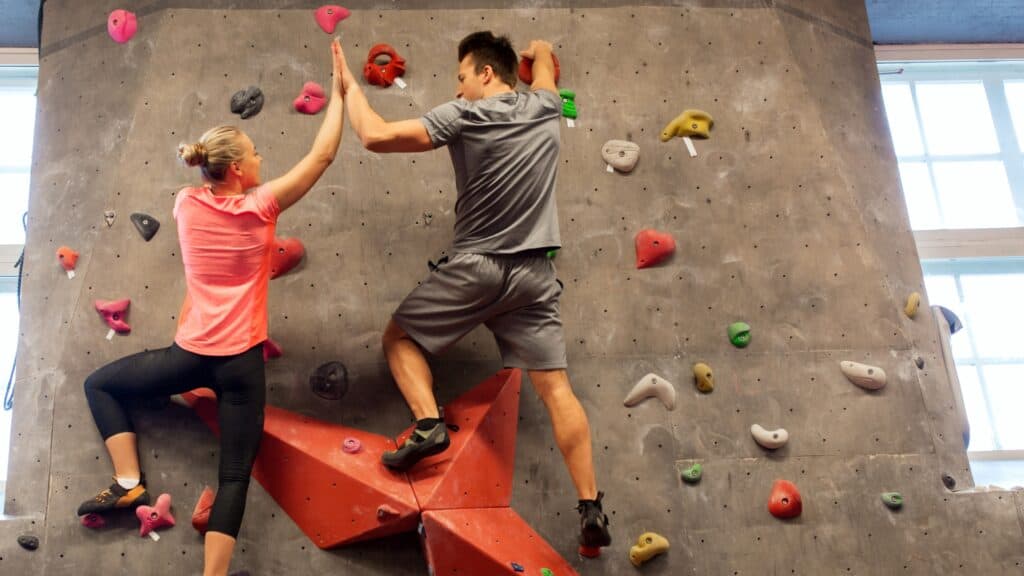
(28, 542)
(518, 567)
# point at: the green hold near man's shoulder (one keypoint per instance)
(568, 103)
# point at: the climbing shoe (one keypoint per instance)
(593, 523)
(419, 445)
(114, 498)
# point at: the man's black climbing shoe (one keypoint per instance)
(419, 445)
(593, 523)
(115, 497)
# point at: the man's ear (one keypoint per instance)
(488, 73)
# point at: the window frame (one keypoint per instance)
(949, 247)
(15, 57)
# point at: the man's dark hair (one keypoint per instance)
(490, 50)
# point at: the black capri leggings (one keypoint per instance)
(240, 384)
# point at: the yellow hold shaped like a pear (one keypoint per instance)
(648, 545)
(705, 379)
(913, 302)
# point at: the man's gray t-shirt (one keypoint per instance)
(505, 153)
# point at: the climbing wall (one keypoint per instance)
(789, 218)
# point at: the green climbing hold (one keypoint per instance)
(546, 572)
(568, 103)
(692, 474)
(739, 334)
(552, 253)
(893, 500)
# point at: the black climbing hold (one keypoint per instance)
(954, 322)
(28, 542)
(330, 381)
(247, 102)
(145, 224)
(518, 567)
(920, 362)
(949, 481)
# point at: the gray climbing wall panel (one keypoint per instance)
(790, 218)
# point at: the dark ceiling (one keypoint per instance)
(892, 21)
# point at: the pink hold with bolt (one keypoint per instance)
(114, 312)
(351, 446)
(121, 25)
(154, 517)
(329, 16)
(311, 100)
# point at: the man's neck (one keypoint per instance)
(495, 89)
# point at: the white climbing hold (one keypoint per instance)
(652, 386)
(622, 155)
(770, 439)
(867, 377)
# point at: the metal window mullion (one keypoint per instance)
(1007, 138)
(978, 365)
(927, 155)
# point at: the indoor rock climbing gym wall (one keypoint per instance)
(736, 257)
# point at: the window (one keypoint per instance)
(18, 78)
(957, 128)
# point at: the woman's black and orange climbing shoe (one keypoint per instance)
(115, 497)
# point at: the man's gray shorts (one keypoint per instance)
(515, 296)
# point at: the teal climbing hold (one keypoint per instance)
(568, 103)
(693, 474)
(893, 500)
(739, 334)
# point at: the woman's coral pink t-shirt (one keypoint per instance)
(225, 246)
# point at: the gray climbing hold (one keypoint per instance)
(652, 386)
(145, 224)
(247, 102)
(621, 154)
(28, 542)
(948, 481)
(329, 381)
(920, 362)
(867, 377)
(108, 217)
(770, 439)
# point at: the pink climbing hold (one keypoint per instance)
(94, 521)
(285, 254)
(271, 349)
(311, 100)
(653, 247)
(157, 516)
(114, 312)
(351, 445)
(121, 25)
(329, 16)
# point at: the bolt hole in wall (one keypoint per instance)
(958, 132)
(17, 116)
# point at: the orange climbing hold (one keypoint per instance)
(285, 254)
(201, 513)
(653, 248)
(68, 258)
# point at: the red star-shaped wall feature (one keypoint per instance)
(460, 497)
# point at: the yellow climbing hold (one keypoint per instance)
(913, 302)
(648, 545)
(705, 380)
(693, 123)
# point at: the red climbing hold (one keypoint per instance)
(113, 312)
(329, 16)
(476, 470)
(526, 69)
(653, 247)
(589, 551)
(201, 513)
(383, 74)
(157, 516)
(94, 521)
(285, 254)
(67, 257)
(271, 349)
(311, 100)
(121, 25)
(785, 500)
(485, 541)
